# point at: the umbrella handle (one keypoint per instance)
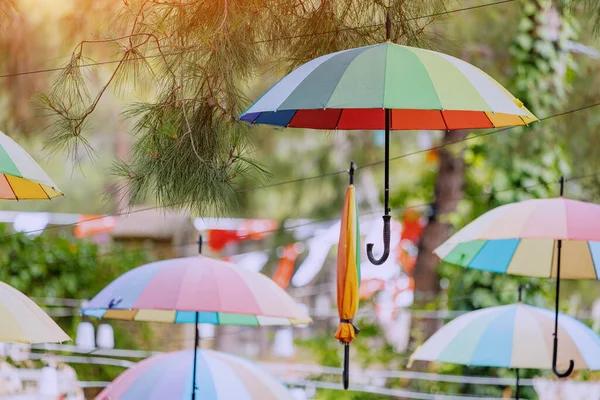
(346, 373)
(571, 363)
(386, 243)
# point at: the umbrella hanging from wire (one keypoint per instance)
(513, 336)
(196, 290)
(388, 87)
(348, 273)
(551, 238)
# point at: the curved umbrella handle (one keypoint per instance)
(554, 355)
(386, 243)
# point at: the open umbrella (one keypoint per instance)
(512, 336)
(220, 376)
(196, 290)
(348, 273)
(387, 87)
(532, 238)
(22, 321)
(21, 178)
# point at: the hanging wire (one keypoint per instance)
(448, 12)
(329, 174)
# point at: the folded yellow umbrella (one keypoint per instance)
(22, 321)
(348, 273)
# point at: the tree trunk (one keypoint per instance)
(448, 191)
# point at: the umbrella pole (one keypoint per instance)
(386, 194)
(346, 373)
(196, 342)
(558, 259)
(517, 394)
(196, 336)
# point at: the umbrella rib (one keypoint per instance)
(288, 123)
(592, 257)
(338, 120)
(43, 190)
(444, 119)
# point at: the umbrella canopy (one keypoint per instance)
(348, 273)
(522, 239)
(512, 336)
(196, 289)
(532, 238)
(21, 178)
(24, 322)
(392, 87)
(219, 376)
(424, 89)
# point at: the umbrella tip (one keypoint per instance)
(351, 171)
(388, 26)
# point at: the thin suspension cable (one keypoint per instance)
(282, 183)
(448, 12)
(289, 228)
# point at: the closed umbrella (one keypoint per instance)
(388, 87)
(512, 336)
(551, 238)
(22, 321)
(348, 274)
(220, 376)
(196, 290)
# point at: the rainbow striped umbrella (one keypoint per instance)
(220, 376)
(24, 322)
(196, 289)
(348, 273)
(21, 178)
(392, 87)
(512, 336)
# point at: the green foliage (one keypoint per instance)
(190, 150)
(59, 266)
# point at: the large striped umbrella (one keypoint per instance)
(196, 290)
(348, 273)
(541, 238)
(512, 336)
(220, 376)
(22, 321)
(21, 178)
(392, 87)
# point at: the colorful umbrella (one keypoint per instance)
(24, 322)
(220, 376)
(512, 336)
(196, 290)
(532, 238)
(348, 273)
(391, 87)
(21, 177)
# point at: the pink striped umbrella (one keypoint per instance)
(220, 376)
(180, 290)
(196, 290)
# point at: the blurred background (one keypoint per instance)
(283, 224)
